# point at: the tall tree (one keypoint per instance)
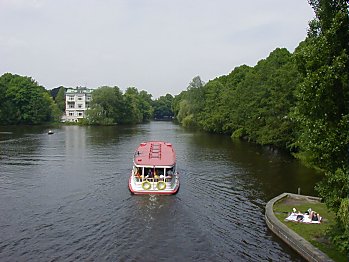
(145, 103)
(323, 105)
(24, 101)
(106, 106)
(60, 99)
(132, 111)
(192, 102)
(163, 107)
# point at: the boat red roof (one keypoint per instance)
(155, 153)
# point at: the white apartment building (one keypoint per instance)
(77, 101)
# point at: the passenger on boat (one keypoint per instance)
(138, 174)
(169, 174)
(150, 174)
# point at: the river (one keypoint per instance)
(65, 197)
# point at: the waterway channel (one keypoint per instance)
(64, 197)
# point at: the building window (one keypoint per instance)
(71, 98)
(80, 98)
(80, 113)
(71, 105)
(71, 113)
(79, 105)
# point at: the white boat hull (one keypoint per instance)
(153, 187)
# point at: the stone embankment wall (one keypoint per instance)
(302, 246)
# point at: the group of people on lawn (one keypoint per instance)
(314, 216)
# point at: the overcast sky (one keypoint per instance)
(155, 45)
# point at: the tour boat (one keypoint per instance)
(154, 169)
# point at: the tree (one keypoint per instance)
(192, 101)
(132, 111)
(163, 107)
(24, 101)
(145, 103)
(60, 99)
(322, 109)
(106, 106)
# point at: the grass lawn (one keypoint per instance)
(313, 233)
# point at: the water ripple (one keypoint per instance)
(65, 198)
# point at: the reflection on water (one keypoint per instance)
(65, 197)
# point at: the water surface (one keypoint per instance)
(64, 197)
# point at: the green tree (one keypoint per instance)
(24, 101)
(322, 109)
(163, 107)
(249, 102)
(60, 99)
(132, 111)
(191, 103)
(106, 106)
(145, 103)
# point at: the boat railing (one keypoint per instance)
(155, 179)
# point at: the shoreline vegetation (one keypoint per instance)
(315, 234)
(297, 102)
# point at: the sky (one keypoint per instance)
(154, 45)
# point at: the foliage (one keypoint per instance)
(137, 106)
(60, 99)
(145, 104)
(334, 189)
(322, 110)
(106, 106)
(316, 234)
(110, 106)
(23, 101)
(253, 101)
(163, 107)
(190, 103)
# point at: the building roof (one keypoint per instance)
(79, 90)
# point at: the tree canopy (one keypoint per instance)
(297, 101)
(23, 101)
(251, 102)
(110, 106)
(322, 110)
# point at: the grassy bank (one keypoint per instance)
(313, 233)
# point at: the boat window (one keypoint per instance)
(148, 172)
(169, 171)
(159, 171)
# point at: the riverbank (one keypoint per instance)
(287, 233)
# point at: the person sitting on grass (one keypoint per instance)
(315, 216)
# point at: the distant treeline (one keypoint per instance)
(24, 101)
(251, 102)
(111, 106)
